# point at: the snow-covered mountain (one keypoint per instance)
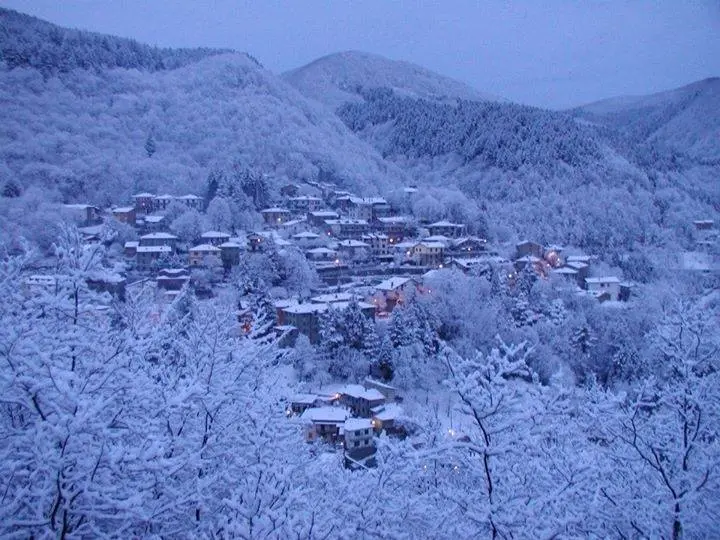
(77, 124)
(684, 120)
(339, 78)
(554, 176)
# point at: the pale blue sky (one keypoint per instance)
(548, 53)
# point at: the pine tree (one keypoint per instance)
(150, 147)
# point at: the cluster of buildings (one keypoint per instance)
(350, 417)
(576, 269)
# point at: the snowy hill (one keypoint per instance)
(551, 175)
(339, 78)
(26, 41)
(80, 132)
(684, 120)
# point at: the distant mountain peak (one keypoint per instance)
(338, 78)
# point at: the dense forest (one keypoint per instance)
(27, 42)
(554, 176)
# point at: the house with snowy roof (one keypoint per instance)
(145, 256)
(306, 239)
(447, 228)
(204, 254)
(214, 238)
(191, 201)
(392, 291)
(159, 239)
(353, 249)
(319, 217)
(144, 202)
(395, 227)
(604, 288)
(304, 203)
(347, 228)
(387, 417)
(361, 400)
(275, 216)
(124, 214)
(359, 442)
(322, 254)
(466, 247)
(428, 253)
(324, 422)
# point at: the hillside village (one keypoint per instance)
(366, 253)
(359, 298)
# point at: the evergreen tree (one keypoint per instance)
(150, 146)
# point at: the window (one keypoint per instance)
(356, 444)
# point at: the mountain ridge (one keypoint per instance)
(79, 129)
(340, 77)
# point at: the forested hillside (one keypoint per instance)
(30, 42)
(83, 134)
(685, 121)
(544, 174)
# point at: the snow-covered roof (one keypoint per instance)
(299, 309)
(346, 221)
(579, 258)
(144, 195)
(393, 283)
(332, 298)
(154, 249)
(437, 238)
(305, 198)
(576, 265)
(323, 213)
(393, 219)
(230, 245)
(169, 278)
(446, 224)
(389, 411)
(460, 241)
(189, 197)
(174, 272)
(284, 302)
(214, 234)
(367, 200)
(275, 210)
(357, 424)
(205, 248)
(158, 236)
(154, 219)
(321, 250)
(332, 415)
(165, 197)
(305, 234)
(122, 209)
(132, 244)
(564, 270)
(358, 391)
(438, 245)
(353, 244)
(307, 399)
(604, 279)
